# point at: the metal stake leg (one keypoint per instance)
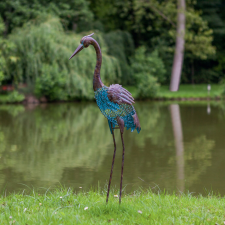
(121, 182)
(112, 163)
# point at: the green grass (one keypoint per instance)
(65, 207)
(191, 91)
(12, 97)
(186, 91)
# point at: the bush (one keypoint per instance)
(148, 63)
(51, 83)
(147, 86)
(147, 69)
(12, 97)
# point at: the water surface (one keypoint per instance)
(180, 147)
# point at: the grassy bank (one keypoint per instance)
(66, 207)
(186, 91)
(197, 91)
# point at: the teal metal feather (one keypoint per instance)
(113, 110)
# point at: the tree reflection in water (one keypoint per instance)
(71, 144)
(178, 137)
(40, 143)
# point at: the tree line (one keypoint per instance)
(138, 39)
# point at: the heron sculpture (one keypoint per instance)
(114, 102)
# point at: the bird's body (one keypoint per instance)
(114, 102)
(112, 110)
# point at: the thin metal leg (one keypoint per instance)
(121, 181)
(112, 163)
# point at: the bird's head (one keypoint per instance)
(84, 43)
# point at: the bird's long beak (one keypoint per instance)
(79, 48)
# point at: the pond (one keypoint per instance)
(181, 147)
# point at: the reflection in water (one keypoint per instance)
(40, 144)
(178, 136)
(72, 145)
(208, 108)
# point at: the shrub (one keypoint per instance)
(147, 86)
(148, 63)
(12, 97)
(147, 69)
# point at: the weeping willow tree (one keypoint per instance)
(120, 45)
(42, 51)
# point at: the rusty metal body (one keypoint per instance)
(115, 103)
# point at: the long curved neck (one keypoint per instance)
(97, 82)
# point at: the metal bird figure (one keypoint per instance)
(115, 103)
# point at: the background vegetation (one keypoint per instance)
(137, 40)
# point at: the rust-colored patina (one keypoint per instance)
(115, 103)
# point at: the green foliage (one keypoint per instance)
(198, 41)
(148, 63)
(12, 97)
(146, 69)
(198, 36)
(129, 24)
(113, 13)
(1, 77)
(71, 12)
(5, 47)
(51, 83)
(147, 86)
(120, 45)
(2, 60)
(153, 24)
(213, 13)
(43, 50)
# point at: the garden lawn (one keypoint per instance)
(186, 91)
(66, 207)
(191, 91)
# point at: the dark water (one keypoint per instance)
(180, 147)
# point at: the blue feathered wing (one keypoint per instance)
(115, 101)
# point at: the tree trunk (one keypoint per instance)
(179, 51)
